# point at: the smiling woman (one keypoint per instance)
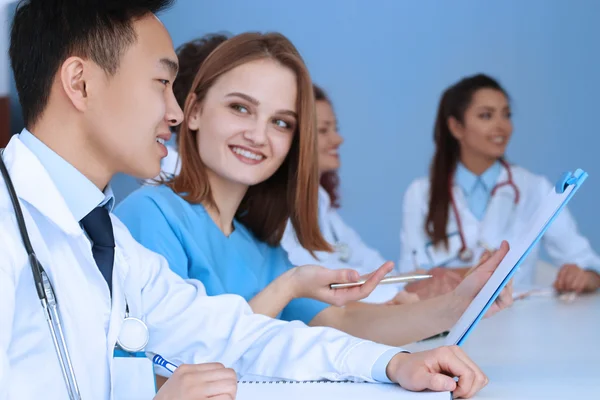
(249, 163)
(474, 199)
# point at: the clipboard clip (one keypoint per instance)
(567, 179)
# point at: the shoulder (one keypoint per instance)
(14, 256)
(529, 180)
(149, 198)
(417, 190)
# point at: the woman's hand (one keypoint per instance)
(313, 281)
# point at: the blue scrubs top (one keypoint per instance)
(196, 248)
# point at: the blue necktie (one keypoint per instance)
(99, 229)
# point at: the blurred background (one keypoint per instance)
(385, 63)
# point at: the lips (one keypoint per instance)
(250, 155)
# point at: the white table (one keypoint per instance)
(541, 348)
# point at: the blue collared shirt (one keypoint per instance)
(477, 189)
(80, 194)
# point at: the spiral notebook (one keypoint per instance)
(268, 389)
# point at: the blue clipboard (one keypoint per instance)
(568, 179)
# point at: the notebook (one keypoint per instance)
(520, 247)
(267, 389)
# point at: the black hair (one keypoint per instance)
(45, 33)
(191, 56)
(454, 102)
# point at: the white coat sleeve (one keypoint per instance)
(8, 284)
(564, 243)
(187, 326)
(412, 232)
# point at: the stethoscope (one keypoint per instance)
(133, 335)
(342, 249)
(465, 254)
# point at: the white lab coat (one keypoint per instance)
(185, 325)
(362, 258)
(502, 221)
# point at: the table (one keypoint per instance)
(540, 348)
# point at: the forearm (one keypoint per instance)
(394, 325)
(274, 298)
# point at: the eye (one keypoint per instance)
(280, 123)
(322, 131)
(240, 108)
(485, 115)
(164, 81)
(508, 114)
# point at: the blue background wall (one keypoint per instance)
(385, 63)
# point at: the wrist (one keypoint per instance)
(453, 307)
(593, 279)
(289, 284)
(394, 365)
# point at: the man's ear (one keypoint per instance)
(72, 78)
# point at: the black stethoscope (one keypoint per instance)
(133, 335)
(465, 254)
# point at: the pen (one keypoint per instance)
(159, 360)
(388, 280)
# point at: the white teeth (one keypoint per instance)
(161, 141)
(333, 152)
(247, 154)
(499, 139)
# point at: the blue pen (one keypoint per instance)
(159, 360)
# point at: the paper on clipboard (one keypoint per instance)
(520, 247)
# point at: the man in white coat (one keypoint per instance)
(95, 80)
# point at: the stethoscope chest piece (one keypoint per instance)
(466, 255)
(344, 251)
(134, 335)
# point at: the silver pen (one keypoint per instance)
(384, 281)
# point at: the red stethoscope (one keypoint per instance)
(465, 254)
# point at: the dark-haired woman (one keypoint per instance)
(474, 198)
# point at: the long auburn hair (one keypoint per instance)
(454, 102)
(330, 180)
(291, 192)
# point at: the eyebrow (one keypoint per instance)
(169, 64)
(492, 108)
(255, 102)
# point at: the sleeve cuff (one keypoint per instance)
(378, 372)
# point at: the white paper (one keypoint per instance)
(277, 390)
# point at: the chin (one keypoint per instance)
(331, 167)
(146, 171)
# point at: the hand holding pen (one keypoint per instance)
(196, 381)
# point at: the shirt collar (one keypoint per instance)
(79, 193)
(467, 180)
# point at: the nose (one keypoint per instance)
(257, 135)
(337, 138)
(174, 113)
(504, 126)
